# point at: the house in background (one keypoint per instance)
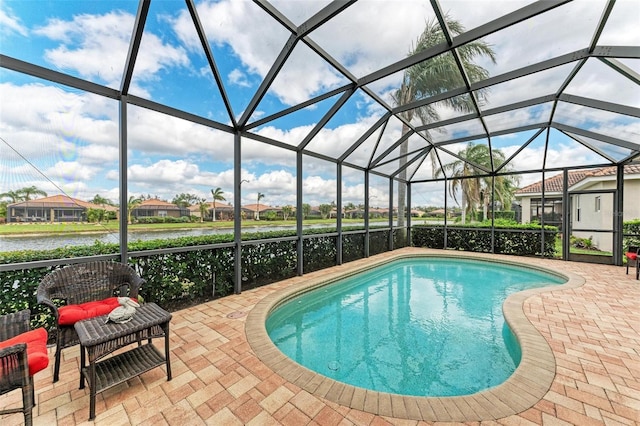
(591, 197)
(56, 208)
(257, 211)
(158, 208)
(223, 211)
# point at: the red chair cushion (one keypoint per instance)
(631, 256)
(70, 314)
(37, 354)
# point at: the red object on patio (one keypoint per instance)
(23, 352)
(71, 314)
(83, 288)
(632, 259)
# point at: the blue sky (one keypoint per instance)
(69, 138)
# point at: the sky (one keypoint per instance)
(62, 139)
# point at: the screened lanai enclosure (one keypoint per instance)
(472, 125)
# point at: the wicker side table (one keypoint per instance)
(99, 340)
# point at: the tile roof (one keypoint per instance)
(554, 184)
(260, 207)
(219, 206)
(62, 201)
(155, 203)
(629, 169)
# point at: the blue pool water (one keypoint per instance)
(424, 326)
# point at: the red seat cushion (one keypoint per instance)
(36, 341)
(71, 314)
(631, 256)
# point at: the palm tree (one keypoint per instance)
(14, 195)
(435, 76)
(217, 196)
(475, 191)
(101, 201)
(131, 204)
(306, 210)
(325, 210)
(286, 211)
(260, 197)
(203, 209)
(27, 192)
(24, 194)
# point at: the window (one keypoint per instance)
(597, 203)
(577, 208)
(552, 211)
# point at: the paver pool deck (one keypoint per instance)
(591, 327)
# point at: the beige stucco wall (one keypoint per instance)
(526, 209)
(592, 219)
(631, 199)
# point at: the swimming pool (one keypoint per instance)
(531, 380)
(424, 326)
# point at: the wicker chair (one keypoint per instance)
(82, 283)
(14, 362)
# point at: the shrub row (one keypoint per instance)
(176, 279)
(632, 231)
(515, 239)
(165, 219)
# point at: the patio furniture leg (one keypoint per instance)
(28, 401)
(56, 368)
(167, 352)
(92, 391)
(82, 364)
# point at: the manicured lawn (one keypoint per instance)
(576, 250)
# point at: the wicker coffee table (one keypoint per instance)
(100, 339)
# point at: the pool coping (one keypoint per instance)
(523, 389)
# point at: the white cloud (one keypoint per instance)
(70, 171)
(256, 41)
(163, 172)
(238, 78)
(242, 26)
(96, 46)
(74, 133)
(9, 23)
(154, 133)
(42, 121)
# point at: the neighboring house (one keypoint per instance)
(57, 208)
(158, 208)
(376, 213)
(590, 211)
(223, 211)
(255, 211)
(437, 213)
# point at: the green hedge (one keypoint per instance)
(165, 219)
(508, 215)
(632, 230)
(522, 240)
(184, 278)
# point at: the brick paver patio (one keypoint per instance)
(593, 331)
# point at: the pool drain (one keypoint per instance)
(333, 365)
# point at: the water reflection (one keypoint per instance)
(49, 242)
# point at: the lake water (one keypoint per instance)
(48, 242)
